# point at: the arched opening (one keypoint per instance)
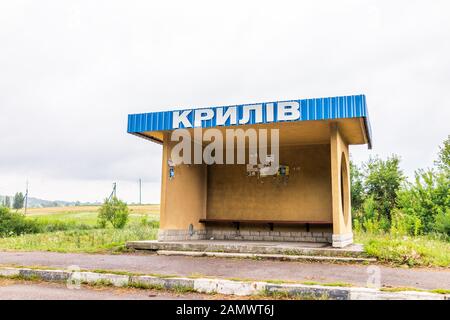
(345, 205)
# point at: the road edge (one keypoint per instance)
(217, 286)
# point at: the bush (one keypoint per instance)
(404, 224)
(14, 223)
(442, 222)
(114, 211)
(426, 198)
(369, 218)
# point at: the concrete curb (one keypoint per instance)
(221, 286)
(281, 257)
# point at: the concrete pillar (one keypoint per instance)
(340, 185)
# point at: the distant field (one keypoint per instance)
(87, 215)
(137, 209)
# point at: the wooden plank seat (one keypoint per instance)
(270, 223)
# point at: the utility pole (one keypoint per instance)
(26, 199)
(114, 191)
(140, 191)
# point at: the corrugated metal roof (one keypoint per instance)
(310, 109)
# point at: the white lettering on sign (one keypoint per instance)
(257, 108)
(181, 118)
(288, 111)
(269, 112)
(202, 115)
(222, 117)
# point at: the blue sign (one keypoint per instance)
(258, 113)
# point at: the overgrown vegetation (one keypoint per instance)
(406, 250)
(383, 201)
(403, 221)
(14, 223)
(68, 230)
(92, 240)
(113, 211)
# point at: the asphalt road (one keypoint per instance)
(25, 290)
(359, 275)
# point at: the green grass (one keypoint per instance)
(327, 284)
(146, 286)
(403, 250)
(84, 218)
(75, 229)
(22, 277)
(440, 291)
(401, 289)
(284, 295)
(93, 240)
(79, 218)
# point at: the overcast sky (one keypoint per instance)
(71, 71)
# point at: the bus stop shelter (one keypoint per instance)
(305, 199)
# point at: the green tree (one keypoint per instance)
(427, 199)
(442, 222)
(357, 187)
(18, 200)
(443, 162)
(425, 202)
(382, 180)
(7, 202)
(114, 211)
(417, 207)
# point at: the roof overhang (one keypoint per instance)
(305, 119)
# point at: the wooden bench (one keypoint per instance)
(270, 223)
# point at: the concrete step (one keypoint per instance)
(280, 257)
(251, 247)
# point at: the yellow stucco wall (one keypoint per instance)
(304, 195)
(183, 199)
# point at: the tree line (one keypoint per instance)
(383, 200)
(17, 203)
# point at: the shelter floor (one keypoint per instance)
(242, 246)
